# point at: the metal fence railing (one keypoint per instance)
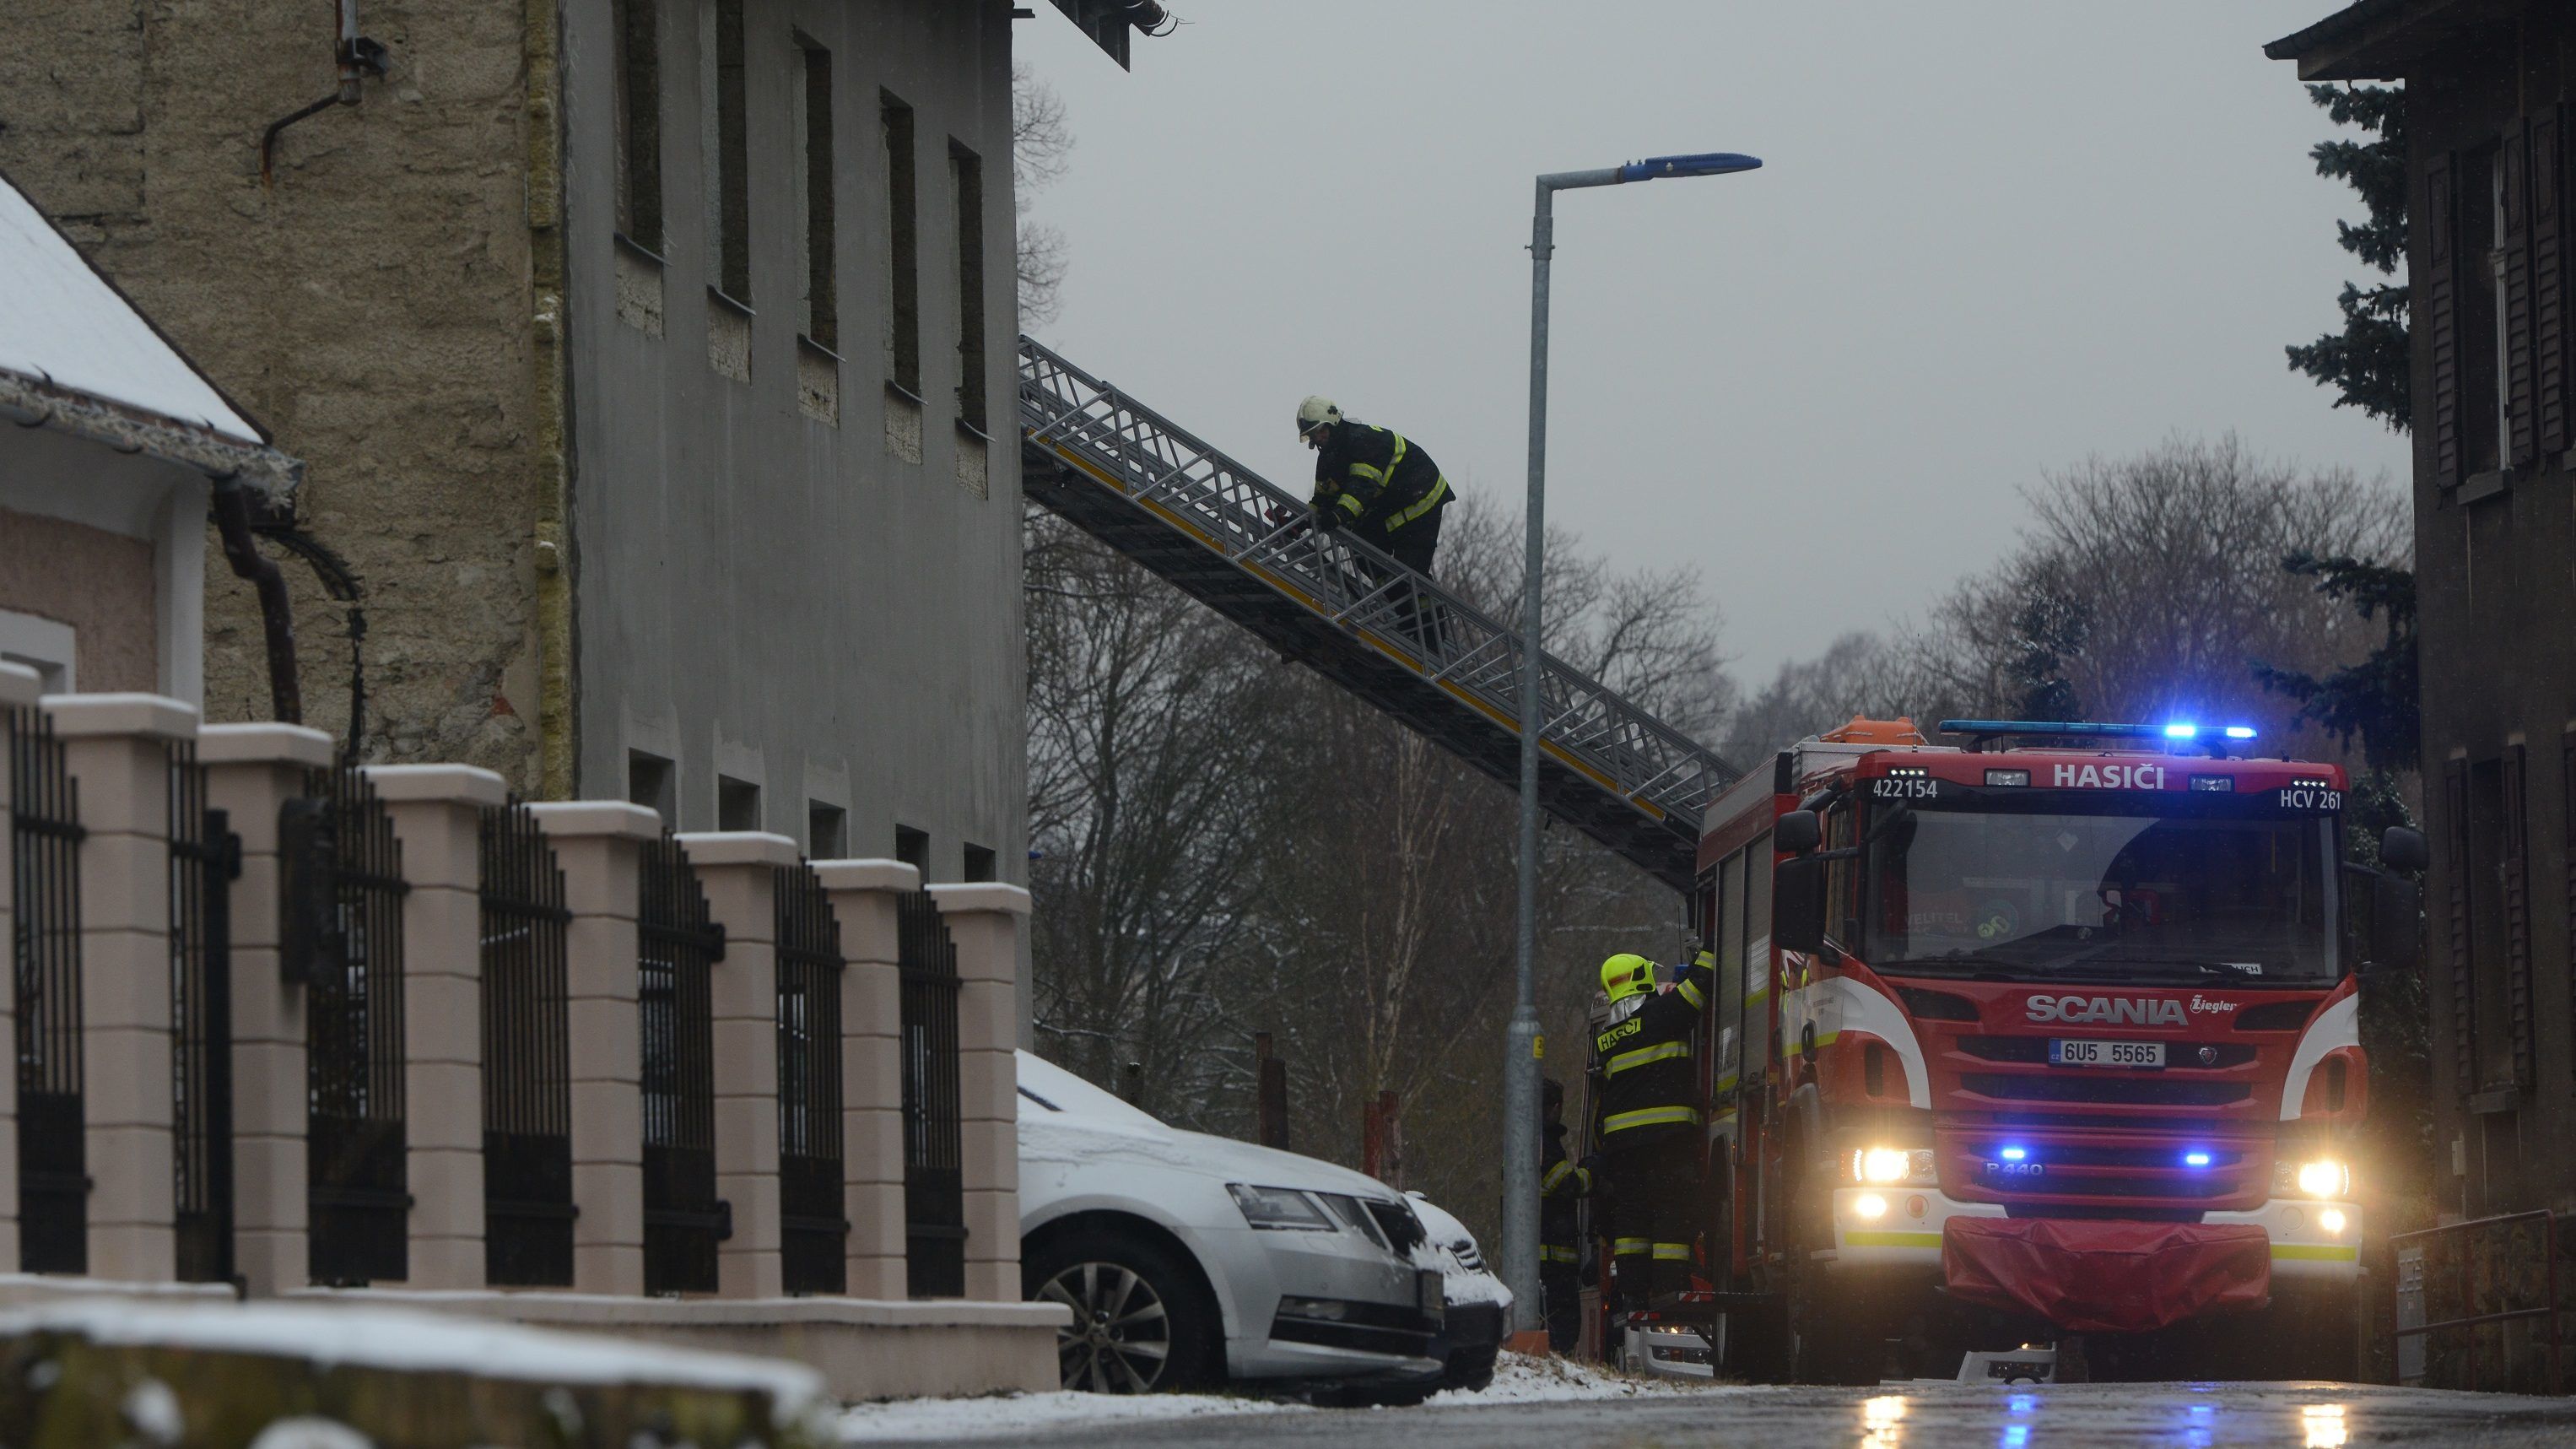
(205, 859)
(527, 1050)
(343, 935)
(45, 836)
(814, 1225)
(934, 1195)
(2485, 1304)
(679, 943)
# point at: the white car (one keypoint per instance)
(1478, 1308)
(1190, 1260)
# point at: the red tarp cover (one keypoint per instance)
(2093, 1276)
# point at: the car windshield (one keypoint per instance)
(2066, 885)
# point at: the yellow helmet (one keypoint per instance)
(1626, 974)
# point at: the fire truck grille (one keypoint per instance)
(2116, 1091)
(2040, 1173)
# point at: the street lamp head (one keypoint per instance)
(1713, 163)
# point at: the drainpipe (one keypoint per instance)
(232, 521)
(357, 57)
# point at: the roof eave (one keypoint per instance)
(2368, 40)
(33, 403)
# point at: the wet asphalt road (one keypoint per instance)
(2110, 1416)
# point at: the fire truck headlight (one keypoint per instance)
(2332, 1221)
(1889, 1165)
(2318, 1177)
(1869, 1206)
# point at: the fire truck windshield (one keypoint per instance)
(2084, 885)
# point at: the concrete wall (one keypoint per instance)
(763, 594)
(372, 308)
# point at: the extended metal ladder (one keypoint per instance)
(1130, 477)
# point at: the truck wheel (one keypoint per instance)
(1830, 1341)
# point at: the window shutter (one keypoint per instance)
(2513, 168)
(2548, 278)
(2517, 916)
(2442, 315)
(2455, 928)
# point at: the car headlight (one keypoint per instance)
(1892, 1165)
(2316, 1177)
(1279, 1207)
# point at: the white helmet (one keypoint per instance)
(1316, 412)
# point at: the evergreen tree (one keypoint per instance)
(2376, 698)
(2366, 363)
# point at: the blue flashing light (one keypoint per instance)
(2195, 1159)
(2240, 732)
(2014, 1154)
(2181, 731)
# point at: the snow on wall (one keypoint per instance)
(405, 1339)
(60, 320)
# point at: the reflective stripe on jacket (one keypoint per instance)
(1373, 478)
(1648, 1078)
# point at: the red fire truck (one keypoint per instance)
(2052, 1033)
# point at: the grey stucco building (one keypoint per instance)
(645, 356)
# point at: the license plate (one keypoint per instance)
(1428, 1287)
(2063, 1053)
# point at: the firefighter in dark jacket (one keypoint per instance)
(1650, 1118)
(1561, 1181)
(1383, 488)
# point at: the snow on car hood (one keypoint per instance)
(1452, 1249)
(1064, 1118)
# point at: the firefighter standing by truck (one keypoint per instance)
(1561, 1182)
(1649, 1112)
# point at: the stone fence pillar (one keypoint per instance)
(252, 770)
(600, 847)
(739, 871)
(863, 896)
(117, 748)
(984, 920)
(437, 816)
(19, 688)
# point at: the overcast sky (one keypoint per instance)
(1988, 240)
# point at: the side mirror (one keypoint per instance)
(1798, 900)
(2396, 906)
(1797, 832)
(2403, 849)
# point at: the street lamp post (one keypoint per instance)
(1521, 1073)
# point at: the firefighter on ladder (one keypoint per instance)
(1649, 1120)
(1385, 490)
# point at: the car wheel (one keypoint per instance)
(1140, 1322)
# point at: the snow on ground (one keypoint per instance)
(1518, 1379)
(1524, 1379)
(900, 1420)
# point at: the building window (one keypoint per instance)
(827, 831)
(737, 804)
(912, 847)
(966, 171)
(903, 252)
(727, 138)
(653, 783)
(639, 121)
(981, 863)
(2482, 312)
(47, 646)
(821, 317)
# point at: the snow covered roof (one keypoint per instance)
(65, 326)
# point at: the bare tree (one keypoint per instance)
(1041, 150)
